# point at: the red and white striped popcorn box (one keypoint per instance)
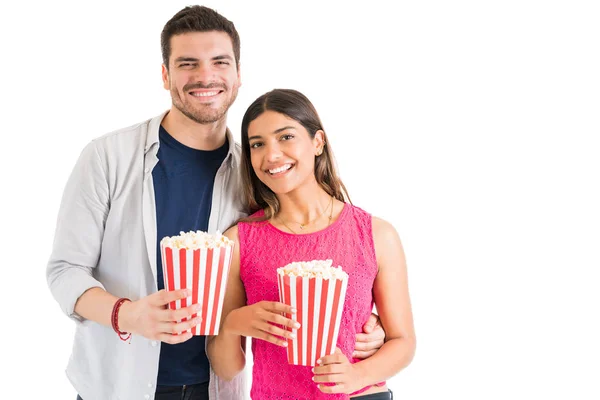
(205, 272)
(319, 303)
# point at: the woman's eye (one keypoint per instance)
(287, 137)
(255, 145)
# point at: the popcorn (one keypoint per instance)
(317, 290)
(313, 269)
(200, 262)
(196, 240)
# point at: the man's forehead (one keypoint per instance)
(211, 42)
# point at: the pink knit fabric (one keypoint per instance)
(263, 249)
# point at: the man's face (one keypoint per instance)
(203, 77)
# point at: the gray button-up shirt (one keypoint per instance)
(106, 237)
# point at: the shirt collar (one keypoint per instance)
(153, 142)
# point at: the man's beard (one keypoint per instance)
(204, 115)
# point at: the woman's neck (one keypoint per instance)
(303, 205)
(305, 210)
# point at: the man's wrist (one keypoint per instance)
(123, 317)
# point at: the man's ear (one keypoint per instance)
(165, 77)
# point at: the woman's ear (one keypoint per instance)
(319, 142)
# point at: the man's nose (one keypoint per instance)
(204, 73)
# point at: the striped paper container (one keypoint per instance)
(319, 303)
(204, 271)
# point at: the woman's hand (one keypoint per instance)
(257, 321)
(336, 369)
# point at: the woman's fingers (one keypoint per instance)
(276, 331)
(281, 320)
(277, 307)
(266, 336)
(329, 369)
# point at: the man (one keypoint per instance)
(130, 188)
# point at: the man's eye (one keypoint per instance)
(223, 62)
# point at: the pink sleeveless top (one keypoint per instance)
(263, 248)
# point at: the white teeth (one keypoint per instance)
(204, 94)
(284, 167)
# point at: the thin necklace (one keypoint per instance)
(302, 226)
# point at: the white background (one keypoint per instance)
(472, 126)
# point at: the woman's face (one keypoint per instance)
(282, 152)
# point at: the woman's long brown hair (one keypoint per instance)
(295, 105)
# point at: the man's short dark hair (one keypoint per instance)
(198, 19)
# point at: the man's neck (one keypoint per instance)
(192, 134)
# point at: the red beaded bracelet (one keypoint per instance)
(124, 336)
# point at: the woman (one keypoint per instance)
(300, 214)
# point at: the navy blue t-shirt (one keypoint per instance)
(183, 187)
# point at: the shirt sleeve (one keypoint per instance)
(79, 231)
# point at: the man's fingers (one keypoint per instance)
(367, 345)
(174, 339)
(177, 315)
(363, 354)
(164, 297)
(173, 328)
(371, 323)
(185, 325)
(378, 335)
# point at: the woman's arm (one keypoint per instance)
(390, 290)
(226, 351)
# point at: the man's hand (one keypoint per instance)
(371, 340)
(151, 317)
